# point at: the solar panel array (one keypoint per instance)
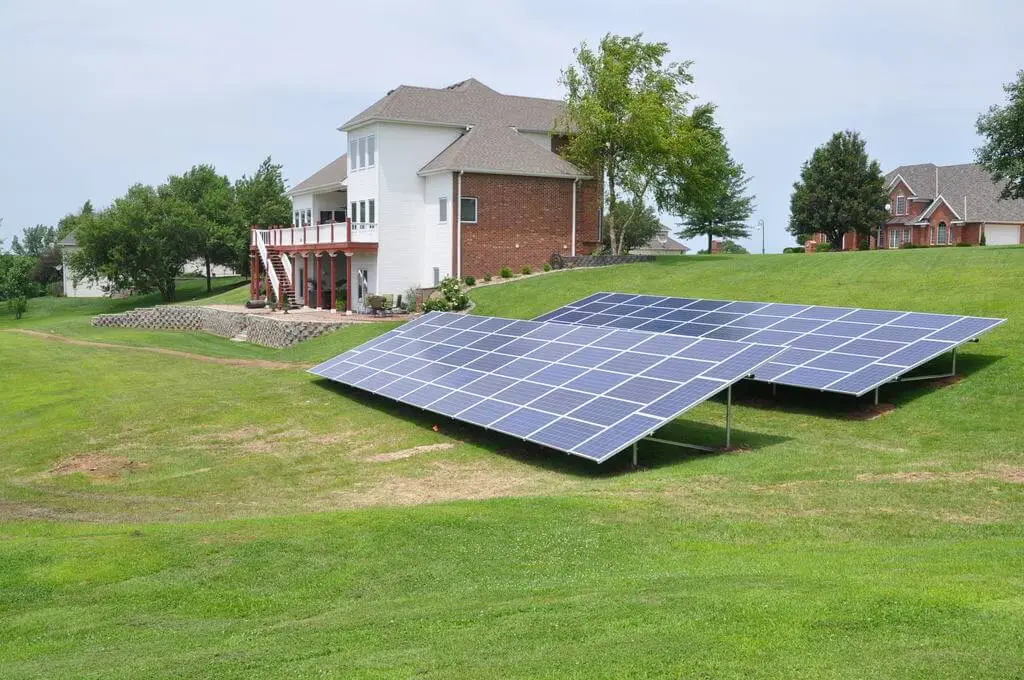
(834, 349)
(583, 390)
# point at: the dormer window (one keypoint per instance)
(901, 205)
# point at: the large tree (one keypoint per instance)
(260, 200)
(709, 193)
(1002, 154)
(641, 224)
(16, 284)
(840, 189)
(141, 242)
(68, 224)
(34, 241)
(626, 119)
(209, 198)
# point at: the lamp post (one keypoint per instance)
(760, 225)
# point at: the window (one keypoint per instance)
(362, 152)
(437, 276)
(354, 214)
(373, 211)
(362, 211)
(894, 237)
(353, 153)
(943, 234)
(442, 209)
(364, 286)
(901, 205)
(371, 151)
(467, 210)
(309, 216)
(906, 235)
(295, 219)
(325, 216)
(339, 215)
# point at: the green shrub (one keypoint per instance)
(823, 247)
(436, 303)
(487, 277)
(375, 302)
(17, 305)
(451, 291)
(794, 249)
(964, 244)
(506, 273)
(982, 241)
(470, 280)
(864, 244)
(547, 266)
(526, 271)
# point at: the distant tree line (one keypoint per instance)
(143, 240)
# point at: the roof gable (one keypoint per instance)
(955, 182)
(468, 102)
(500, 149)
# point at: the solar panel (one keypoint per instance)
(834, 349)
(582, 390)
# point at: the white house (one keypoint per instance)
(445, 181)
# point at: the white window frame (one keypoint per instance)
(462, 212)
(362, 152)
(371, 211)
(353, 153)
(894, 237)
(940, 238)
(901, 204)
(371, 150)
(442, 209)
(362, 212)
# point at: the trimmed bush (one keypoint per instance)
(487, 277)
(964, 244)
(451, 290)
(547, 266)
(526, 271)
(437, 303)
(470, 280)
(506, 273)
(823, 247)
(794, 249)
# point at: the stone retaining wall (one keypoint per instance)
(259, 330)
(560, 262)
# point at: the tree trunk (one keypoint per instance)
(167, 290)
(612, 240)
(709, 243)
(209, 284)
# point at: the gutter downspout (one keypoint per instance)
(458, 230)
(572, 251)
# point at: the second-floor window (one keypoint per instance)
(372, 212)
(901, 205)
(442, 209)
(467, 210)
(362, 152)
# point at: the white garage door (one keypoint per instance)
(1002, 234)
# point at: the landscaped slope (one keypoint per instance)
(167, 517)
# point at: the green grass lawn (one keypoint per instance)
(166, 517)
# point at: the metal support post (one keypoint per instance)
(936, 376)
(876, 395)
(728, 417)
(634, 454)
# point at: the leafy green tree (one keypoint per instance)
(641, 224)
(730, 247)
(259, 200)
(840, 189)
(709, 193)
(35, 241)
(16, 284)
(1002, 154)
(141, 242)
(210, 201)
(67, 224)
(626, 118)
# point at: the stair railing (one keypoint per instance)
(261, 246)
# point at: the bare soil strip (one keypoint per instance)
(255, 363)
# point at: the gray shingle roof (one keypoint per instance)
(69, 240)
(500, 149)
(469, 102)
(331, 175)
(664, 243)
(957, 181)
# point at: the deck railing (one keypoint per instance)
(321, 234)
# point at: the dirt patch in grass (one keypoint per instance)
(408, 453)
(869, 411)
(96, 466)
(255, 363)
(1003, 473)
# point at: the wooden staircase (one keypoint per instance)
(285, 277)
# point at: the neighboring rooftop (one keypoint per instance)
(496, 148)
(662, 243)
(956, 181)
(331, 176)
(468, 102)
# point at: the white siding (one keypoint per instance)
(437, 245)
(303, 203)
(362, 184)
(331, 200)
(74, 287)
(541, 139)
(401, 202)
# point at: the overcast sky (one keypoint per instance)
(99, 94)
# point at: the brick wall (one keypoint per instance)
(521, 221)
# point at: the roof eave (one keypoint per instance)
(349, 126)
(319, 189)
(489, 171)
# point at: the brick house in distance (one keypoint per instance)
(945, 205)
(460, 180)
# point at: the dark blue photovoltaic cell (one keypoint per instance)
(490, 362)
(917, 353)
(458, 378)
(709, 304)
(486, 412)
(897, 333)
(742, 363)
(521, 368)
(757, 321)
(584, 335)
(557, 374)
(730, 333)
(820, 342)
(488, 385)
(664, 345)
(621, 340)
(866, 379)
(846, 329)
(710, 350)
(773, 337)
(873, 316)
(648, 312)
(604, 411)
(589, 356)
(617, 437)
(684, 397)
(796, 357)
(553, 351)
(462, 357)
(399, 388)
(454, 403)
(798, 325)
(561, 401)
(426, 395)
(743, 307)
(718, 318)
(523, 422)
(965, 329)
(770, 371)
(631, 362)
(933, 321)
(548, 332)
(682, 315)
(676, 368)
(565, 434)
(658, 326)
(597, 381)
(520, 347)
(693, 329)
(626, 322)
(376, 381)
(492, 342)
(522, 392)
(642, 390)
(848, 363)
(870, 348)
(814, 378)
(825, 313)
